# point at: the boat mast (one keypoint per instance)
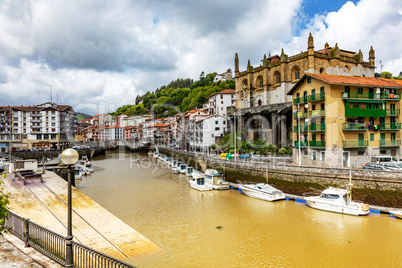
(350, 185)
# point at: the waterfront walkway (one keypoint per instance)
(93, 226)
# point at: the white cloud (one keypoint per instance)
(100, 51)
(353, 27)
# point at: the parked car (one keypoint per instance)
(383, 159)
(373, 166)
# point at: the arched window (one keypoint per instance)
(259, 82)
(259, 102)
(321, 70)
(244, 83)
(277, 77)
(295, 73)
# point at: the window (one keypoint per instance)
(217, 129)
(383, 151)
(39, 136)
(308, 80)
(224, 122)
(53, 136)
(347, 88)
(221, 96)
(314, 155)
(322, 156)
(261, 84)
(371, 137)
(221, 102)
(360, 153)
(359, 90)
(278, 79)
(53, 124)
(297, 75)
(216, 122)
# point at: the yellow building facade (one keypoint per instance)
(341, 121)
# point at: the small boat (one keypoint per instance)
(175, 170)
(337, 200)
(397, 213)
(183, 168)
(198, 182)
(213, 177)
(150, 153)
(77, 173)
(189, 171)
(262, 191)
(155, 155)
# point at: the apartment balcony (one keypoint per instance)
(317, 144)
(300, 100)
(390, 143)
(393, 112)
(316, 113)
(355, 144)
(303, 128)
(391, 96)
(299, 115)
(302, 144)
(316, 97)
(390, 126)
(316, 128)
(359, 112)
(371, 96)
(356, 127)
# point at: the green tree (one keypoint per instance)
(3, 208)
(386, 75)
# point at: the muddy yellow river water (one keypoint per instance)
(251, 233)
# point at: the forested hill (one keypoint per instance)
(178, 96)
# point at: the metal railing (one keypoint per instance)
(355, 144)
(53, 245)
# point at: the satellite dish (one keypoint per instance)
(306, 106)
(306, 120)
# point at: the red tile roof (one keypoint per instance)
(354, 80)
(349, 80)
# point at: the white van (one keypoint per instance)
(383, 159)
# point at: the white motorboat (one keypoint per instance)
(189, 171)
(183, 168)
(397, 213)
(150, 153)
(262, 191)
(198, 182)
(155, 155)
(175, 170)
(77, 173)
(337, 200)
(213, 177)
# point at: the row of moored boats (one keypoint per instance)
(332, 199)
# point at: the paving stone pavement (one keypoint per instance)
(14, 254)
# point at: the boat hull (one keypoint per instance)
(260, 195)
(330, 206)
(203, 187)
(397, 214)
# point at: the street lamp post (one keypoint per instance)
(69, 157)
(298, 119)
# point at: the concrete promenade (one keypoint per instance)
(46, 205)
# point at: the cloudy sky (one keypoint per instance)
(97, 55)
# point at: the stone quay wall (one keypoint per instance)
(361, 178)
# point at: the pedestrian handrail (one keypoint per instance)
(53, 245)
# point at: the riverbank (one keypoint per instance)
(45, 204)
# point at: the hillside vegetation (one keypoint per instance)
(178, 96)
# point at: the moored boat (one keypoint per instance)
(214, 178)
(262, 191)
(175, 170)
(183, 168)
(396, 213)
(189, 171)
(337, 200)
(198, 182)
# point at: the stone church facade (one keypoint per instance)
(263, 108)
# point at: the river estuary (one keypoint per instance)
(252, 233)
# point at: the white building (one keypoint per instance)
(114, 133)
(220, 101)
(206, 130)
(46, 125)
